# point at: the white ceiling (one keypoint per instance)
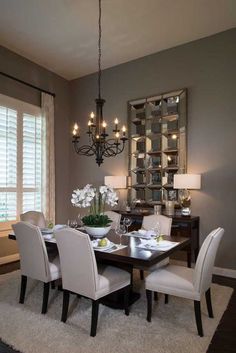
(61, 35)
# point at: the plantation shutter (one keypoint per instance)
(22, 162)
(32, 163)
(8, 164)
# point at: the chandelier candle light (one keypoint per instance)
(100, 145)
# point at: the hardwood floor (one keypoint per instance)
(224, 339)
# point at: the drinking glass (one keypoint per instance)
(120, 230)
(79, 222)
(72, 223)
(127, 222)
(157, 229)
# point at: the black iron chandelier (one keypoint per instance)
(100, 145)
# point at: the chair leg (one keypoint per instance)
(53, 285)
(155, 296)
(23, 289)
(208, 301)
(198, 317)
(94, 321)
(65, 305)
(141, 272)
(149, 304)
(46, 288)
(126, 300)
(166, 298)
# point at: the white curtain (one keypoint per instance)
(48, 184)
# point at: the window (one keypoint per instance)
(22, 158)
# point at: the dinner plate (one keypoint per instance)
(164, 243)
(46, 231)
(97, 247)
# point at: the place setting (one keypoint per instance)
(156, 243)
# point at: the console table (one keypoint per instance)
(185, 226)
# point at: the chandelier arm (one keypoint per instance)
(85, 150)
(112, 142)
(109, 153)
(113, 150)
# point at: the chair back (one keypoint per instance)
(34, 217)
(115, 217)
(33, 253)
(205, 261)
(150, 222)
(78, 263)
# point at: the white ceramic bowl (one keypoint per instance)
(97, 232)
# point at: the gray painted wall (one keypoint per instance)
(24, 69)
(207, 69)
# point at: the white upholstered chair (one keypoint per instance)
(165, 223)
(81, 275)
(115, 217)
(150, 222)
(34, 217)
(34, 261)
(187, 282)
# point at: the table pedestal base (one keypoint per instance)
(116, 300)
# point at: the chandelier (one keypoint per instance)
(100, 145)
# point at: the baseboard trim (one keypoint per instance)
(220, 271)
(8, 259)
(226, 272)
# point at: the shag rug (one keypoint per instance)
(172, 328)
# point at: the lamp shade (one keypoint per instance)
(116, 182)
(187, 181)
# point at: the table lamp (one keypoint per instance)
(116, 182)
(184, 182)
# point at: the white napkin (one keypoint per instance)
(146, 233)
(152, 244)
(59, 226)
(48, 236)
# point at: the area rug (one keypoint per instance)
(172, 328)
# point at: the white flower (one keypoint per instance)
(103, 189)
(84, 197)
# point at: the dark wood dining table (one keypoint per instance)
(129, 258)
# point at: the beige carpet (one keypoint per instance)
(172, 328)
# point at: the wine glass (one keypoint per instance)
(120, 230)
(79, 222)
(72, 223)
(157, 230)
(127, 222)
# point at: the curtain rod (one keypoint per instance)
(27, 84)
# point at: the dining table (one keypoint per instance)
(128, 256)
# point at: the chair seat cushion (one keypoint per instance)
(173, 280)
(156, 266)
(111, 279)
(159, 264)
(54, 267)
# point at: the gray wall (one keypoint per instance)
(207, 69)
(24, 69)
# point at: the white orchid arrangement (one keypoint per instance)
(96, 200)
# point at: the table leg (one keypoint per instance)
(189, 258)
(116, 300)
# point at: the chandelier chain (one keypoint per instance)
(100, 145)
(99, 50)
